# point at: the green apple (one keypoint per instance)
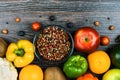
(112, 74)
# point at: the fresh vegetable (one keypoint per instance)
(115, 56)
(87, 76)
(21, 53)
(3, 47)
(75, 66)
(54, 73)
(36, 26)
(31, 72)
(86, 39)
(99, 62)
(7, 70)
(112, 74)
(105, 40)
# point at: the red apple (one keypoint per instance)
(86, 39)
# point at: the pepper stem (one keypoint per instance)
(19, 52)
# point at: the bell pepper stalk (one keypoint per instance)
(20, 53)
(75, 66)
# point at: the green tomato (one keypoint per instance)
(112, 74)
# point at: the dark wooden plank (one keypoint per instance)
(74, 6)
(80, 12)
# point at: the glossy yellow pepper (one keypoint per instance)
(20, 53)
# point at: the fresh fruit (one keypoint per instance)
(3, 47)
(31, 72)
(87, 76)
(36, 26)
(112, 74)
(99, 62)
(75, 66)
(115, 56)
(86, 39)
(105, 40)
(54, 73)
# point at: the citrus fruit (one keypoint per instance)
(31, 72)
(99, 62)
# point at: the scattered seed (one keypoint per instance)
(86, 20)
(52, 18)
(7, 23)
(69, 24)
(108, 18)
(111, 27)
(4, 31)
(96, 23)
(17, 19)
(21, 33)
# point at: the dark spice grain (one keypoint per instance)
(53, 43)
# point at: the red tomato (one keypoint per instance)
(86, 39)
(36, 26)
(105, 40)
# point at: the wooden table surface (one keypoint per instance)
(80, 12)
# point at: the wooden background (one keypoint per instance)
(80, 12)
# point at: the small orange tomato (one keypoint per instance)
(105, 40)
(36, 26)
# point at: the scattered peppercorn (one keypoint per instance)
(4, 31)
(21, 33)
(7, 23)
(17, 19)
(96, 23)
(86, 20)
(111, 27)
(52, 18)
(69, 24)
(108, 18)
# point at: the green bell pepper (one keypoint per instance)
(75, 66)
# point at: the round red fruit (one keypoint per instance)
(86, 39)
(105, 40)
(36, 26)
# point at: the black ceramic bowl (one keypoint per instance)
(45, 62)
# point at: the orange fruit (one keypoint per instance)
(99, 62)
(31, 72)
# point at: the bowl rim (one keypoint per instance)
(44, 61)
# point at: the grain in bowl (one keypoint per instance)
(53, 43)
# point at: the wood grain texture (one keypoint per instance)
(80, 12)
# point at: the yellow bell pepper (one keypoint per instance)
(20, 53)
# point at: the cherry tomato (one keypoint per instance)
(105, 40)
(36, 26)
(86, 39)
